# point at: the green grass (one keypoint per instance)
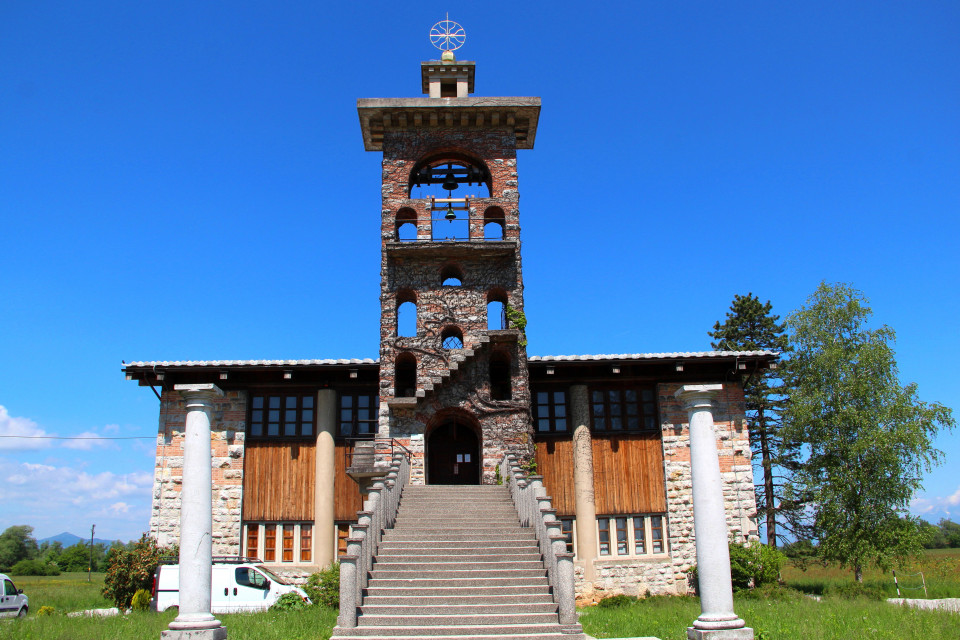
(667, 618)
(66, 592)
(941, 569)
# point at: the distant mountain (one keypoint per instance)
(69, 539)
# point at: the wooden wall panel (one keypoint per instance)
(555, 464)
(278, 480)
(627, 473)
(347, 500)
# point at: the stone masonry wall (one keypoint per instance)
(227, 447)
(637, 576)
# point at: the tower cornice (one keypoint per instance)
(378, 115)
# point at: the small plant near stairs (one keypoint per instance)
(518, 319)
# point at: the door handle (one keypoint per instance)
(225, 591)
(234, 591)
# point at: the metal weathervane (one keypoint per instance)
(447, 35)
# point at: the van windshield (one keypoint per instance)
(274, 577)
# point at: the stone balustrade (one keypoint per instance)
(535, 511)
(379, 513)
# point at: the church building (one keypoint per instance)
(296, 443)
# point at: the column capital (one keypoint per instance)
(697, 396)
(199, 393)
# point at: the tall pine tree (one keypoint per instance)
(751, 326)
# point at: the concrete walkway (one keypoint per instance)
(943, 604)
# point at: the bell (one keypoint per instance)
(451, 214)
(450, 183)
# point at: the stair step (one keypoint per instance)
(447, 536)
(444, 620)
(424, 599)
(461, 609)
(340, 634)
(458, 591)
(483, 567)
(503, 545)
(457, 559)
(457, 631)
(447, 583)
(419, 574)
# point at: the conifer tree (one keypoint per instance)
(751, 326)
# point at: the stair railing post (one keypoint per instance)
(350, 588)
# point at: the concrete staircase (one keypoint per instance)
(457, 564)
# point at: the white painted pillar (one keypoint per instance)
(717, 619)
(196, 520)
(583, 490)
(324, 534)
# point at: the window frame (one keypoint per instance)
(355, 421)
(622, 405)
(283, 395)
(551, 405)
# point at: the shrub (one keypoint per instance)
(755, 565)
(129, 571)
(34, 568)
(140, 600)
(289, 602)
(620, 600)
(323, 587)
(45, 610)
(851, 590)
(773, 591)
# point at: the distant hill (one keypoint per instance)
(69, 539)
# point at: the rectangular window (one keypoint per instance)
(306, 542)
(287, 543)
(623, 547)
(550, 411)
(253, 545)
(656, 534)
(639, 536)
(358, 415)
(603, 524)
(270, 543)
(566, 528)
(343, 532)
(623, 409)
(281, 415)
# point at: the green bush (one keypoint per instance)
(129, 571)
(851, 590)
(771, 591)
(140, 600)
(45, 610)
(34, 568)
(620, 600)
(323, 587)
(289, 602)
(755, 565)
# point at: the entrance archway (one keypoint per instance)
(453, 453)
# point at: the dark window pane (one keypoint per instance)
(613, 395)
(291, 402)
(543, 424)
(560, 411)
(650, 423)
(616, 424)
(363, 414)
(346, 415)
(647, 395)
(274, 402)
(258, 402)
(346, 401)
(308, 402)
(598, 410)
(290, 429)
(307, 429)
(256, 429)
(363, 401)
(257, 415)
(633, 422)
(274, 415)
(615, 409)
(345, 428)
(630, 395)
(561, 424)
(290, 416)
(597, 396)
(631, 409)
(273, 429)
(559, 397)
(542, 397)
(649, 408)
(308, 416)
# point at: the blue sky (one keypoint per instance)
(187, 181)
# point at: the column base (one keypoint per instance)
(218, 633)
(743, 633)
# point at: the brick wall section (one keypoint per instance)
(504, 425)
(668, 575)
(227, 446)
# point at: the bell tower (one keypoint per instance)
(453, 370)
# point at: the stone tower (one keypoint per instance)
(453, 372)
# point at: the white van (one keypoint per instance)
(240, 584)
(12, 601)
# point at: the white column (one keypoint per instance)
(717, 619)
(324, 534)
(196, 519)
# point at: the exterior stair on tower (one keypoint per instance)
(457, 564)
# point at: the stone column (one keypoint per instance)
(585, 501)
(717, 620)
(324, 536)
(195, 622)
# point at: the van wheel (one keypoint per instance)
(22, 613)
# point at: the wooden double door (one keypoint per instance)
(453, 454)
